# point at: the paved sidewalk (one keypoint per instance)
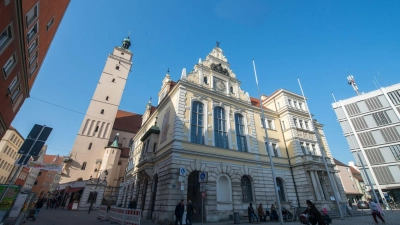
(68, 217)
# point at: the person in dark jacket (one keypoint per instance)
(179, 210)
(274, 214)
(314, 216)
(38, 206)
(252, 214)
(189, 212)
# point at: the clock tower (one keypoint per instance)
(89, 154)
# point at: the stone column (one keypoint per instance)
(335, 186)
(323, 197)
(316, 189)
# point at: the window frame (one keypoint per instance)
(33, 58)
(31, 21)
(6, 36)
(10, 64)
(303, 148)
(241, 137)
(247, 189)
(195, 126)
(281, 191)
(30, 36)
(50, 24)
(83, 167)
(275, 149)
(33, 69)
(220, 135)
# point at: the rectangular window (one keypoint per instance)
(309, 149)
(15, 94)
(31, 15)
(302, 148)
(395, 151)
(295, 104)
(301, 124)
(290, 102)
(7, 68)
(35, 182)
(33, 58)
(393, 95)
(32, 33)
(5, 37)
(295, 122)
(90, 146)
(270, 124)
(40, 173)
(154, 147)
(33, 69)
(33, 46)
(275, 149)
(50, 24)
(300, 105)
(13, 84)
(306, 123)
(313, 149)
(381, 118)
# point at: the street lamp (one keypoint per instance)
(95, 189)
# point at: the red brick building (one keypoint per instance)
(27, 28)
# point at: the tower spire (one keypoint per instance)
(126, 43)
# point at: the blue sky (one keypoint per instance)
(314, 40)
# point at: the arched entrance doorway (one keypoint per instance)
(153, 199)
(194, 194)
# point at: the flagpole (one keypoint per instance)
(322, 151)
(269, 150)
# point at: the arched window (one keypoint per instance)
(240, 136)
(281, 189)
(224, 191)
(83, 166)
(197, 123)
(102, 111)
(247, 193)
(221, 138)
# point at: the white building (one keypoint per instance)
(375, 119)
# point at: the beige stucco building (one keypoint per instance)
(9, 146)
(351, 181)
(206, 123)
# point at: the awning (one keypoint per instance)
(73, 190)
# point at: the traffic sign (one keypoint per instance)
(203, 194)
(203, 177)
(182, 171)
(202, 189)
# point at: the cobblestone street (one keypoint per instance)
(67, 217)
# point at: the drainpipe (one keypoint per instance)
(290, 164)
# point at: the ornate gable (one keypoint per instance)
(214, 73)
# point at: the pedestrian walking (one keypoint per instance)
(38, 206)
(375, 211)
(350, 204)
(189, 213)
(179, 210)
(314, 216)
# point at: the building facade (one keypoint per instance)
(27, 28)
(206, 123)
(9, 146)
(373, 134)
(47, 180)
(350, 181)
(31, 179)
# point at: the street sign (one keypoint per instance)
(203, 177)
(203, 194)
(202, 189)
(182, 171)
(181, 179)
(35, 140)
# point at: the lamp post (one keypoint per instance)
(95, 189)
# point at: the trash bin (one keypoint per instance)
(236, 218)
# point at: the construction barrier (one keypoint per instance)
(103, 212)
(125, 216)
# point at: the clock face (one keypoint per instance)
(220, 86)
